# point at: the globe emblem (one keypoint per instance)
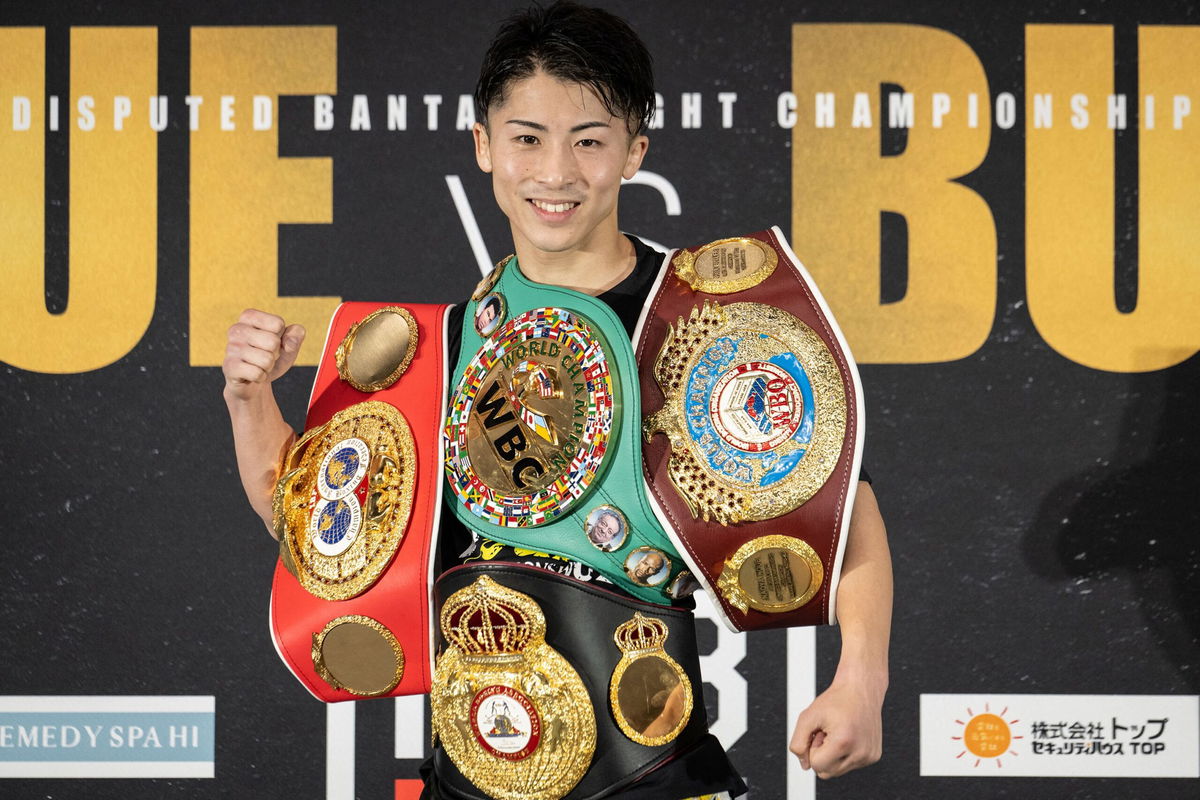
(342, 467)
(334, 522)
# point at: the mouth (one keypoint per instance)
(554, 210)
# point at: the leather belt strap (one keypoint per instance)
(357, 508)
(744, 369)
(600, 634)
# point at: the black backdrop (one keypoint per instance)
(1041, 512)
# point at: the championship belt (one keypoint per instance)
(542, 435)
(527, 706)
(747, 375)
(357, 505)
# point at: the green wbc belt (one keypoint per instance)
(542, 434)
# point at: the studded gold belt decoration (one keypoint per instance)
(745, 385)
(510, 711)
(343, 505)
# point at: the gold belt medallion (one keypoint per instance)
(489, 281)
(358, 654)
(650, 694)
(754, 408)
(511, 712)
(531, 419)
(773, 573)
(377, 349)
(343, 503)
(726, 266)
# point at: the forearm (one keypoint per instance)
(864, 601)
(261, 439)
(842, 729)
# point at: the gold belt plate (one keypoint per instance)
(344, 501)
(726, 266)
(774, 574)
(649, 693)
(377, 349)
(531, 420)
(511, 712)
(754, 408)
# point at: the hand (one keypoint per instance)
(841, 731)
(259, 349)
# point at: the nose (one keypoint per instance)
(557, 168)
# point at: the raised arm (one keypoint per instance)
(259, 349)
(843, 728)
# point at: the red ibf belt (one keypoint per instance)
(748, 378)
(357, 505)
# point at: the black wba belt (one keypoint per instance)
(547, 687)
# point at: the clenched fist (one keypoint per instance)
(259, 349)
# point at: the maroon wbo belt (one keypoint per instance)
(753, 420)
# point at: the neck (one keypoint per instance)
(591, 270)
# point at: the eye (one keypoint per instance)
(527, 138)
(589, 143)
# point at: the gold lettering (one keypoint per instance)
(113, 226)
(241, 189)
(1070, 205)
(841, 184)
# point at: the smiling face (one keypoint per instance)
(557, 158)
(606, 529)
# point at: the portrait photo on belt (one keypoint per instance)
(706, 436)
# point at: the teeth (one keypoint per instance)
(554, 208)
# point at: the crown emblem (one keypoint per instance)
(649, 693)
(640, 634)
(511, 713)
(487, 619)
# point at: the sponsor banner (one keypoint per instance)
(106, 737)
(1060, 735)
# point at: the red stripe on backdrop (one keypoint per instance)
(409, 789)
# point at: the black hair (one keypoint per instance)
(576, 44)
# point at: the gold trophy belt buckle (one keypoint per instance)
(754, 409)
(511, 712)
(343, 504)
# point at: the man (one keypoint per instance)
(606, 530)
(488, 316)
(645, 568)
(563, 102)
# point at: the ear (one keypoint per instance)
(483, 152)
(638, 146)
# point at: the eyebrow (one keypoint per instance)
(539, 127)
